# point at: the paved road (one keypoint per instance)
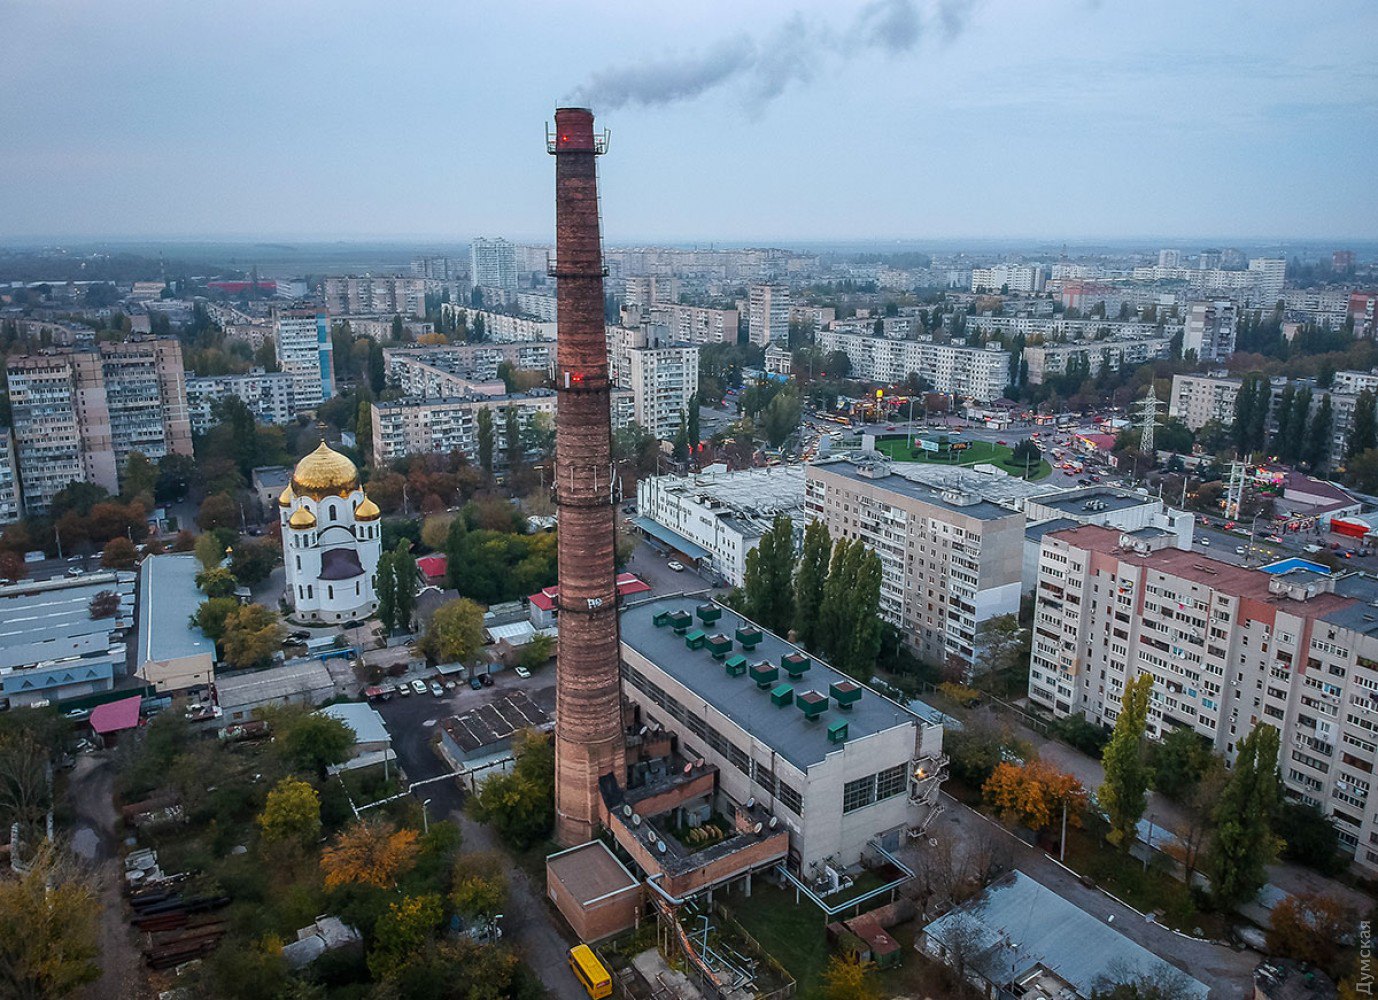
(528, 922)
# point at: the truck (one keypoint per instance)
(36, 556)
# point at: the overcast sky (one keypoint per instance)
(816, 119)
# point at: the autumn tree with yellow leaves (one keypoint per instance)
(1033, 794)
(369, 852)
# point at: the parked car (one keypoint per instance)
(475, 683)
(523, 673)
(486, 680)
(404, 689)
(77, 714)
(436, 689)
(418, 687)
(676, 565)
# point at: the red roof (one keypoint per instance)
(114, 716)
(432, 566)
(627, 584)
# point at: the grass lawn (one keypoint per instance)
(793, 934)
(980, 452)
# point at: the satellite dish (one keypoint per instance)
(636, 819)
(700, 762)
(643, 731)
(751, 802)
(756, 828)
(626, 810)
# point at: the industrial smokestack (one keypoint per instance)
(588, 710)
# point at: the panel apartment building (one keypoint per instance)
(1199, 399)
(443, 371)
(950, 559)
(270, 396)
(974, 373)
(306, 352)
(77, 416)
(375, 296)
(1228, 648)
(768, 315)
(662, 375)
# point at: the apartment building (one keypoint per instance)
(304, 349)
(423, 426)
(493, 263)
(1353, 383)
(382, 295)
(950, 559)
(446, 371)
(980, 374)
(696, 324)
(500, 328)
(663, 375)
(779, 361)
(1060, 328)
(1197, 399)
(77, 416)
(1209, 330)
(836, 765)
(647, 291)
(1009, 277)
(1051, 360)
(270, 396)
(1228, 648)
(11, 509)
(817, 316)
(716, 517)
(539, 305)
(768, 315)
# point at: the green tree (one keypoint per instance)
(864, 625)
(216, 582)
(766, 583)
(1178, 761)
(403, 931)
(49, 940)
(253, 634)
(1363, 432)
(209, 550)
(485, 440)
(1309, 838)
(809, 580)
(538, 651)
(1026, 455)
(781, 417)
(521, 804)
(692, 422)
(680, 450)
(212, 616)
(405, 573)
(1296, 425)
(455, 632)
(140, 475)
(1123, 794)
(253, 562)
(847, 977)
(480, 885)
(385, 587)
(363, 428)
(832, 610)
(1282, 436)
(306, 740)
(1244, 845)
(291, 814)
(1317, 453)
(218, 511)
(512, 435)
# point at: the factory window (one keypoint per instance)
(765, 779)
(859, 793)
(891, 781)
(739, 759)
(791, 800)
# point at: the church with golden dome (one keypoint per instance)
(331, 540)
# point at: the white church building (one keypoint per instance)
(331, 540)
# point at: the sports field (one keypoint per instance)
(977, 453)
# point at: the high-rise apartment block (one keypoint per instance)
(950, 559)
(270, 396)
(663, 376)
(78, 416)
(1269, 274)
(10, 507)
(696, 324)
(980, 374)
(1228, 648)
(1209, 330)
(1008, 277)
(375, 296)
(768, 315)
(493, 263)
(305, 351)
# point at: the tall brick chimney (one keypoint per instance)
(589, 743)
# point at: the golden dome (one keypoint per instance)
(367, 511)
(303, 518)
(287, 496)
(325, 472)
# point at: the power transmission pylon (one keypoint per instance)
(1148, 415)
(1235, 495)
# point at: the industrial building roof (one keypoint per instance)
(1035, 532)
(784, 729)
(363, 719)
(670, 537)
(903, 485)
(1018, 925)
(277, 683)
(44, 622)
(167, 599)
(590, 871)
(1075, 504)
(494, 722)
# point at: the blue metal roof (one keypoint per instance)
(671, 538)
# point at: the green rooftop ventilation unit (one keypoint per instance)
(837, 731)
(662, 618)
(719, 645)
(782, 695)
(709, 613)
(812, 704)
(749, 636)
(695, 639)
(846, 694)
(680, 621)
(795, 664)
(764, 673)
(736, 665)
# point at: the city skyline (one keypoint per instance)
(884, 120)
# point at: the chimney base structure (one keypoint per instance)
(589, 743)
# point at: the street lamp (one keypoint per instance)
(425, 817)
